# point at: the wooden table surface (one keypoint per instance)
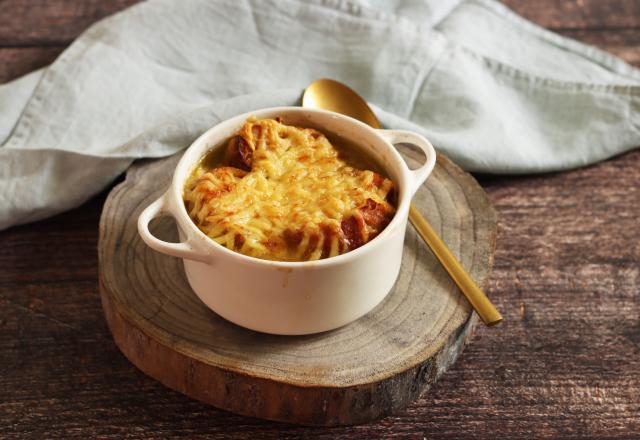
(564, 364)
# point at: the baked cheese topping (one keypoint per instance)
(284, 193)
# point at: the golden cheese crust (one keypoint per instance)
(285, 194)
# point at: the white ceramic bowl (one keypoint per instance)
(292, 298)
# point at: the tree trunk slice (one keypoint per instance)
(368, 369)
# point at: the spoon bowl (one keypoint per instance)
(328, 94)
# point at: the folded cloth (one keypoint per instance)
(493, 91)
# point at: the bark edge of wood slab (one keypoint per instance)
(369, 369)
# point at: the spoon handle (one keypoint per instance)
(478, 300)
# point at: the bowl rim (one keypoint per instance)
(186, 163)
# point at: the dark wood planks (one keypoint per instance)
(53, 22)
(579, 14)
(623, 43)
(612, 25)
(18, 61)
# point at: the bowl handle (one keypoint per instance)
(185, 249)
(419, 175)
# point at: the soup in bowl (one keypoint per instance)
(291, 220)
(286, 193)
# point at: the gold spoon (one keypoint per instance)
(331, 95)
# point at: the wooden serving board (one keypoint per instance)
(363, 371)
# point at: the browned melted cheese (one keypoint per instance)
(285, 194)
